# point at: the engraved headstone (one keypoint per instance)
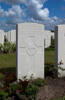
(30, 50)
(60, 49)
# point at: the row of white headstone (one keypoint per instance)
(30, 50)
(2, 34)
(47, 38)
(11, 36)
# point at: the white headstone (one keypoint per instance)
(60, 49)
(52, 35)
(11, 36)
(47, 38)
(30, 50)
(1, 36)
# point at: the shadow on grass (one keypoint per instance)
(49, 49)
(50, 70)
(9, 70)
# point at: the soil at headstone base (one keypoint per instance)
(54, 88)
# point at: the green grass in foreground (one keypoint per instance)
(7, 60)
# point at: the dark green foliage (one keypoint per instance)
(3, 95)
(23, 84)
(1, 48)
(39, 82)
(1, 85)
(10, 78)
(13, 47)
(5, 39)
(2, 76)
(13, 87)
(7, 47)
(31, 91)
(52, 43)
(51, 70)
(49, 49)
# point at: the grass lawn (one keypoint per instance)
(8, 61)
(49, 56)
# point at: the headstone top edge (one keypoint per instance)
(61, 25)
(30, 23)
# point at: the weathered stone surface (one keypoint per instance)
(60, 49)
(30, 50)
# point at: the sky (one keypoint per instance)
(47, 12)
